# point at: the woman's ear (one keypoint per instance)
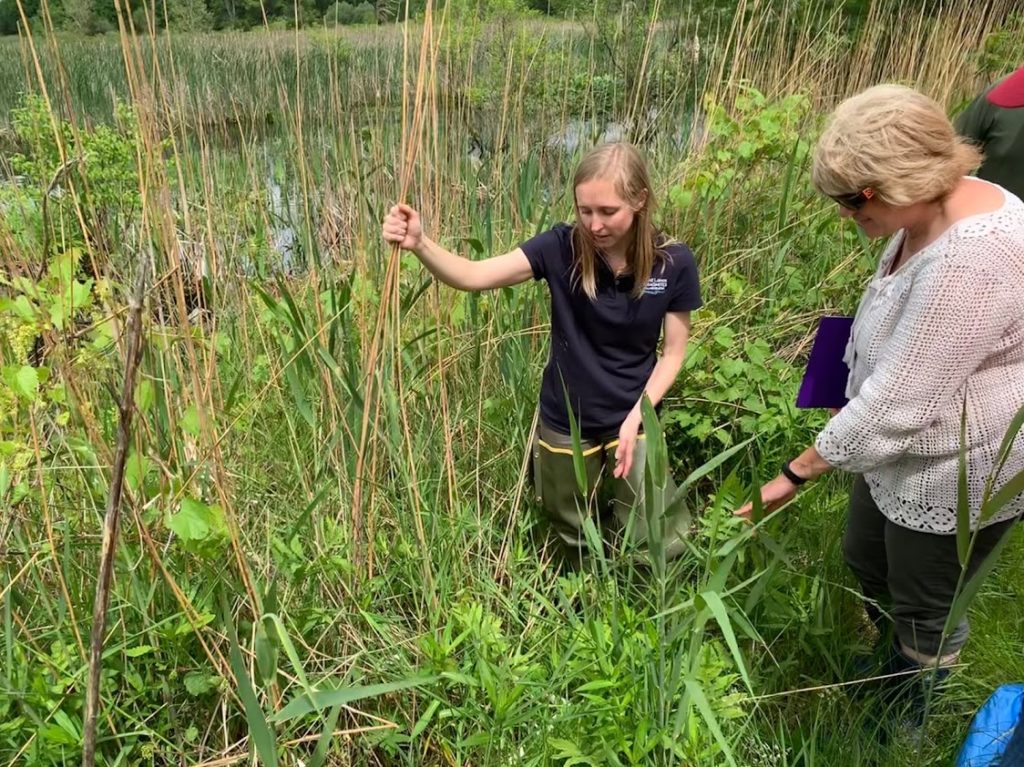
(641, 202)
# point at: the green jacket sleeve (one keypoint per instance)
(975, 122)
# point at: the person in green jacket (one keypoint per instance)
(995, 121)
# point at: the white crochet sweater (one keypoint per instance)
(948, 324)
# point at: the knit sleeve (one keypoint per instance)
(954, 317)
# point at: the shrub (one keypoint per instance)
(346, 13)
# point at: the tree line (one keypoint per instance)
(91, 17)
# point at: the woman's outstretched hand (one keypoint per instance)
(774, 494)
(402, 225)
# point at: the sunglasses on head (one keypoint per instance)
(854, 201)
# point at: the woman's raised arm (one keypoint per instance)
(403, 226)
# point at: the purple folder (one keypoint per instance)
(824, 383)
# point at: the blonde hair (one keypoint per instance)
(896, 141)
(621, 164)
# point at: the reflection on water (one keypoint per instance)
(581, 134)
(284, 200)
(284, 240)
(586, 133)
(283, 237)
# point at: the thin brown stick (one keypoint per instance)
(17, 575)
(112, 518)
(362, 529)
(840, 685)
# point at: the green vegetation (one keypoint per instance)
(326, 528)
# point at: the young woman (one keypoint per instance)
(615, 282)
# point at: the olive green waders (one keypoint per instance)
(617, 504)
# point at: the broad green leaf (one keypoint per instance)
(597, 684)
(24, 308)
(145, 393)
(724, 336)
(201, 528)
(62, 268)
(657, 453)
(1012, 488)
(424, 720)
(267, 299)
(61, 311)
(566, 749)
(84, 452)
(54, 733)
(81, 294)
(476, 740)
(275, 629)
(23, 381)
(579, 463)
(701, 701)
(963, 600)
(190, 421)
(198, 683)
(103, 335)
(187, 627)
(71, 727)
(298, 394)
(323, 743)
(718, 609)
(321, 699)
(192, 522)
(720, 571)
(263, 737)
(136, 468)
(266, 655)
(1009, 491)
(713, 464)
(1009, 438)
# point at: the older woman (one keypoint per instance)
(940, 324)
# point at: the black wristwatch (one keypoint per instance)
(791, 475)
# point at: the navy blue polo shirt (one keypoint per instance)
(605, 350)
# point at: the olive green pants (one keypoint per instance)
(615, 504)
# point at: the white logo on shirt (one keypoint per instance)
(655, 286)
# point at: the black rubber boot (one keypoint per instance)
(909, 686)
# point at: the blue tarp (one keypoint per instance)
(998, 722)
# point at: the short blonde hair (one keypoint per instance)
(896, 141)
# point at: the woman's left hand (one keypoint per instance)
(627, 443)
(774, 494)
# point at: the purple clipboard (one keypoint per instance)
(824, 383)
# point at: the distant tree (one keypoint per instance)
(338, 14)
(79, 16)
(237, 14)
(346, 13)
(9, 17)
(387, 10)
(365, 13)
(145, 15)
(188, 16)
(304, 13)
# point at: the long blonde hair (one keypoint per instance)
(621, 164)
